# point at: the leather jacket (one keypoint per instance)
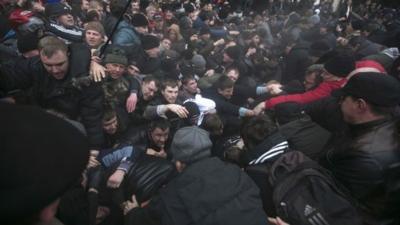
(369, 166)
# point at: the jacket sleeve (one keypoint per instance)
(91, 112)
(225, 107)
(321, 91)
(18, 74)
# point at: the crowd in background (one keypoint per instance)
(189, 107)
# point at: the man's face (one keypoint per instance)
(135, 7)
(191, 86)
(227, 93)
(168, 15)
(115, 70)
(233, 75)
(93, 38)
(56, 65)
(166, 44)
(159, 137)
(149, 89)
(153, 53)
(66, 20)
(85, 5)
(170, 94)
(110, 126)
(348, 106)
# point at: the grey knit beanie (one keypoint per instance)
(191, 144)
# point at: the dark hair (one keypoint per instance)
(224, 83)
(256, 129)
(169, 83)
(356, 41)
(187, 78)
(213, 124)
(163, 124)
(117, 7)
(147, 79)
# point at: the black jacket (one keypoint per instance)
(84, 103)
(296, 63)
(368, 164)
(223, 106)
(208, 192)
(259, 161)
(306, 136)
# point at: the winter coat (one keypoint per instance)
(206, 192)
(306, 136)
(259, 161)
(368, 164)
(296, 63)
(85, 103)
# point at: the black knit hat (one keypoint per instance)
(150, 42)
(234, 52)
(139, 20)
(56, 9)
(340, 65)
(41, 157)
(28, 42)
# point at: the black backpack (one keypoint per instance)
(304, 193)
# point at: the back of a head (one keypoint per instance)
(256, 129)
(191, 144)
(41, 157)
(117, 7)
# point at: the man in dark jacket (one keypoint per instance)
(207, 190)
(368, 163)
(50, 79)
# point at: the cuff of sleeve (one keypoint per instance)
(261, 90)
(242, 111)
(161, 109)
(134, 91)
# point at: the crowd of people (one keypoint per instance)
(199, 112)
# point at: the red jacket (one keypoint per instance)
(323, 90)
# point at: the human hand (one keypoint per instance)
(92, 159)
(251, 51)
(97, 71)
(129, 205)
(277, 221)
(274, 89)
(131, 102)
(209, 73)
(219, 42)
(178, 110)
(249, 113)
(259, 108)
(115, 180)
(161, 153)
